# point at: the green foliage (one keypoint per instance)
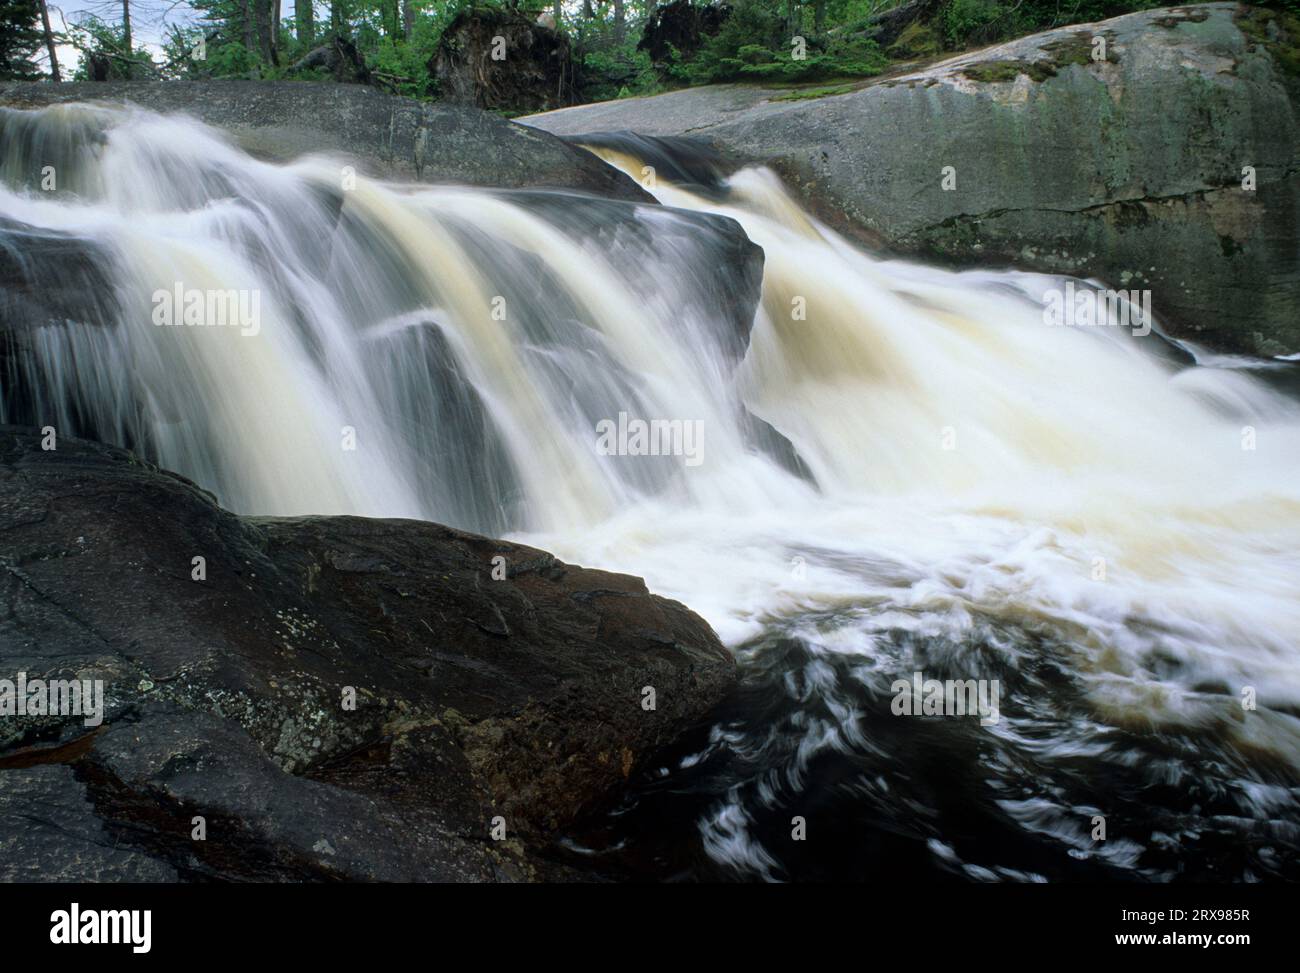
(965, 23)
(20, 38)
(757, 44)
(609, 65)
(621, 72)
(918, 39)
(224, 53)
(811, 94)
(98, 41)
(964, 20)
(754, 44)
(752, 24)
(1277, 31)
(196, 53)
(234, 49)
(854, 15)
(404, 63)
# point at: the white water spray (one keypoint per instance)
(971, 466)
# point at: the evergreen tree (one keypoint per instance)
(20, 39)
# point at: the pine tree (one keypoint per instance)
(20, 39)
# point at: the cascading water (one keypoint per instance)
(1073, 512)
(467, 341)
(901, 470)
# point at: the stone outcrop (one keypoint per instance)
(335, 698)
(1171, 161)
(388, 135)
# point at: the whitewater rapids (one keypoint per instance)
(1076, 512)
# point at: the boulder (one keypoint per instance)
(1131, 168)
(334, 698)
(500, 58)
(388, 135)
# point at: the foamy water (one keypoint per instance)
(1068, 510)
(1064, 446)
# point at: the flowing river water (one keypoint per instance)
(902, 473)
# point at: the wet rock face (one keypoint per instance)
(499, 58)
(46, 275)
(335, 698)
(388, 135)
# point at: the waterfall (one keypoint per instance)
(896, 466)
(973, 460)
(469, 340)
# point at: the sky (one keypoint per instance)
(150, 20)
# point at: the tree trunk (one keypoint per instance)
(408, 18)
(126, 36)
(819, 15)
(305, 19)
(620, 22)
(559, 14)
(126, 24)
(277, 11)
(250, 41)
(49, 42)
(336, 18)
(262, 9)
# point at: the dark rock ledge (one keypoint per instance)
(387, 135)
(475, 698)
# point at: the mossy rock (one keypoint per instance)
(918, 40)
(994, 72)
(1182, 16)
(1077, 48)
(1278, 33)
(807, 94)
